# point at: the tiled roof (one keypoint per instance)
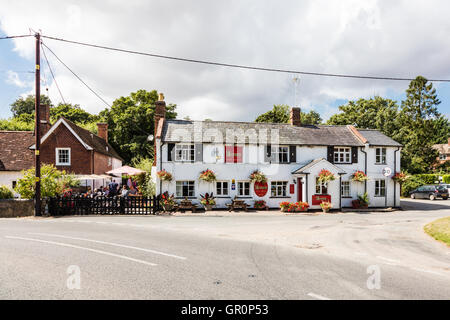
(15, 154)
(376, 138)
(442, 148)
(94, 141)
(184, 130)
(321, 135)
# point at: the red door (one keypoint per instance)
(299, 189)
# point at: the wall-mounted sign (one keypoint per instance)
(260, 188)
(233, 184)
(387, 171)
(233, 154)
(317, 199)
(292, 188)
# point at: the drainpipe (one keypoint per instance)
(365, 168)
(395, 171)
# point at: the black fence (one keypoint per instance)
(63, 206)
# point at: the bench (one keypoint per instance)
(186, 205)
(237, 204)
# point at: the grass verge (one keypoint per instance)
(440, 230)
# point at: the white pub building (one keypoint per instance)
(291, 156)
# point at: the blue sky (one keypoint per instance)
(372, 37)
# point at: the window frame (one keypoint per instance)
(348, 183)
(344, 152)
(182, 188)
(279, 184)
(276, 153)
(239, 195)
(221, 194)
(190, 150)
(380, 158)
(442, 156)
(69, 155)
(379, 188)
(321, 186)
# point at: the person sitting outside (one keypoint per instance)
(133, 192)
(125, 191)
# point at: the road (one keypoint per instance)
(227, 257)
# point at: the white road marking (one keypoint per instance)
(316, 296)
(112, 244)
(427, 271)
(84, 248)
(387, 259)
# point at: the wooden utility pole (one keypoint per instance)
(37, 202)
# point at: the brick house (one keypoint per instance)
(444, 152)
(63, 144)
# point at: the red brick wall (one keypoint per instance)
(81, 158)
(101, 163)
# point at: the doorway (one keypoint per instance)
(299, 189)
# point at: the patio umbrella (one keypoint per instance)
(125, 170)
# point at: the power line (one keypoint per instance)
(51, 72)
(14, 37)
(81, 80)
(238, 65)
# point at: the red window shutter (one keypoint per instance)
(237, 154)
(229, 154)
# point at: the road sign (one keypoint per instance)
(387, 171)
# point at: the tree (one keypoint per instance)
(281, 114)
(72, 112)
(130, 122)
(374, 113)
(421, 125)
(27, 105)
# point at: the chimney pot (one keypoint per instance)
(102, 129)
(294, 117)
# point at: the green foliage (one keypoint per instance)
(281, 113)
(364, 199)
(420, 126)
(446, 178)
(53, 182)
(27, 105)
(375, 113)
(144, 181)
(6, 193)
(21, 123)
(131, 121)
(428, 178)
(72, 112)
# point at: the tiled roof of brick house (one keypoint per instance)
(15, 154)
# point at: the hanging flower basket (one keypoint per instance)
(359, 176)
(326, 176)
(207, 175)
(167, 202)
(257, 176)
(400, 177)
(164, 175)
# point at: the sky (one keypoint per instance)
(402, 38)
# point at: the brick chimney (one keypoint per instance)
(160, 113)
(44, 121)
(102, 131)
(294, 117)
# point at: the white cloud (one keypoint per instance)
(403, 38)
(14, 79)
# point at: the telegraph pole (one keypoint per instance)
(37, 203)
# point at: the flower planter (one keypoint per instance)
(208, 207)
(356, 204)
(167, 207)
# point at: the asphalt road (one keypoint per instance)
(230, 257)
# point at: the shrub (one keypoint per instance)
(53, 182)
(144, 181)
(6, 193)
(446, 178)
(428, 178)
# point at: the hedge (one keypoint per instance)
(415, 181)
(6, 193)
(446, 178)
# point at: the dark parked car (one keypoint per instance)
(430, 192)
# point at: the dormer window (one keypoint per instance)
(442, 156)
(62, 156)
